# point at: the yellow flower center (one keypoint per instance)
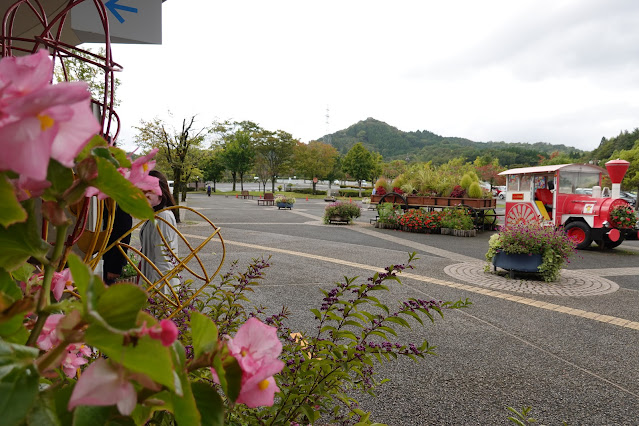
(145, 167)
(45, 122)
(263, 384)
(244, 352)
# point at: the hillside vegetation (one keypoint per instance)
(422, 145)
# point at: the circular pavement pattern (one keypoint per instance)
(570, 283)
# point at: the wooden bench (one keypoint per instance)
(268, 200)
(245, 195)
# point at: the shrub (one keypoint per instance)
(413, 219)
(475, 191)
(388, 213)
(382, 183)
(458, 192)
(457, 218)
(466, 181)
(343, 209)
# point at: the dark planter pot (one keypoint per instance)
(339, 219)
(284, 205)
(517, 262)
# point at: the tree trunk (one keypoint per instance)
(234, 176)
(314, 185)
(360, 188)
(241, 181)
(273, 184)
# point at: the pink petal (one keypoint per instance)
(25, 74)
(26, 148)
(255, 340)
(102, 384)
(74, 134)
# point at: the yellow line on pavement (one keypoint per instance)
(621, 322)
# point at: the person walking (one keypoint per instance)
(208, 190)
(153, 246)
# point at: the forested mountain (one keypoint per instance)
(624, 141)
(422, 145)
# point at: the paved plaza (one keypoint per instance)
(568, 349)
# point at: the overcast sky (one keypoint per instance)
(557, 71)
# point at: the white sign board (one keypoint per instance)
(130, 21)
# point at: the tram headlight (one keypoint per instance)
(606, 224)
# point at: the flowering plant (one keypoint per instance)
(284, 199)
(388, 213)
(346, 210)
(623, 217)
(57, 318)
(457, 218)
(534, 238)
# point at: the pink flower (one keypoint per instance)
(23, 75)
(27, 188)
(138, 175)
(49, 336)
(102, 384)
(61, 281)
(76, 357)
(166, 331)
(256, 348)
(41, 121)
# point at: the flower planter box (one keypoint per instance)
(375, 198)
(465, 232)
(285, 205)
(446, 231)
(517, 262)
(385, 225)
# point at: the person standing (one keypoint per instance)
(208, 190)
(113, 260)
(151, 233)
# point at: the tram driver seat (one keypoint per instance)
(543, 197)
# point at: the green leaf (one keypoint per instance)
(120, 156)
(95, 141)
(61, 399)
(81, 275)
(43, 412)
(209, 404)
(13, 355)
(18, 392)
(148, 356)
(61, 179)
(229, 376)
(309, 413)
(113, 184)
(184, 407)
(120, 305)
(21, 241)
(204, 334)
(9, 287)
(11, 211)
(85, 415)
(23, 273)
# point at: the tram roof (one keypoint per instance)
(553, 168)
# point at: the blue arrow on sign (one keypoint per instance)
(113, 6)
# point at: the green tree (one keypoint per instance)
(239, 155)
(238, 141)
(275, 150)
(213, 166)
(175, 147)
(631, 180)
(360, 164)
(77, 66)
(316, 160)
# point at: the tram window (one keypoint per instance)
(525, 183)
(513, 183)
